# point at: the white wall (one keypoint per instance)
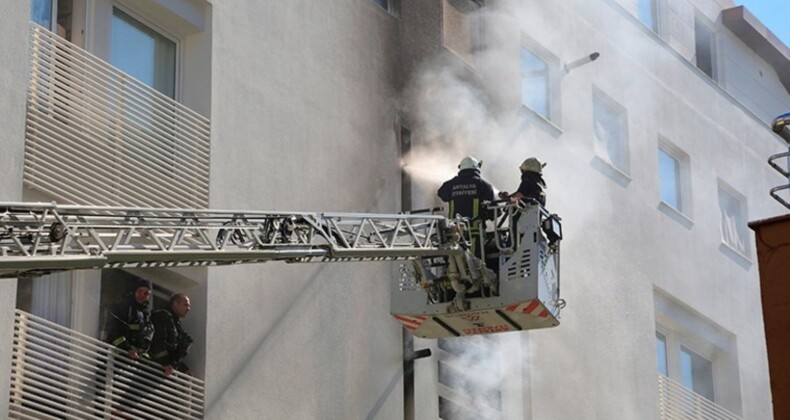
(13, 89)
(303, 120)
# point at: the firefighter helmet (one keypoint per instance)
(532, 165)
(470, 163)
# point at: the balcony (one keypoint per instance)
(95, 135)
(60, 373)
(676, 402)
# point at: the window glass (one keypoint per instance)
(534, 83)
(661, 353)
(384, 4)
(646, 12)
(733, 221)
(610, 133)
(669, 175)
(41, 12)
(143, 53)
(696, 373)
(703, 41)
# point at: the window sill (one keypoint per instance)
(530, 115)
(737, 256)
(606, 168)
(676, 215)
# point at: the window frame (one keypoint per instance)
(456, 358)
(682, 325)
(701, 21)
(473, 21)
(169, 35)
(741, 217)
(675, 341)
(553, 94)
(683, 178)
(623, 140)
(655, 15)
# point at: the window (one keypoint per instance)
(669, 173)
(661, 353)
(704, 47)
(41, 13)
(674, 175)
(732, 207)
(462, 30)
(143, 53)
(469, 375)
(695, 354)
(535, 83)
(390, 6)
(610, 132)
(647, 11)
(696, 373)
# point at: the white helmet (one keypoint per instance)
(532, 165)
(469, 163)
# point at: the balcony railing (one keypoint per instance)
(59, 373)
(96, 135)
(676, 402)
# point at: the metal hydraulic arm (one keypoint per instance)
(36, 238)
(444, 290)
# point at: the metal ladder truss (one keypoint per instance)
(37, 238)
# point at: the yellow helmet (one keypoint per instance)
(532, 165)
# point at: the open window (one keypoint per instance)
(610, 131)
(734, 230)
(462, 29)
(705, 47)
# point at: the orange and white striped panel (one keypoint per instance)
(532, 307)
(411, 323)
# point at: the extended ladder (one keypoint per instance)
(444, 291)
(37, 238)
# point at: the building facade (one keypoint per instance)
(655, 156)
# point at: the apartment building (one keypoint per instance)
(656, 157)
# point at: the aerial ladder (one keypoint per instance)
(442, 289)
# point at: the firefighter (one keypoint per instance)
(129, 326)
(466, 194)
(532, 184)
(171, 343)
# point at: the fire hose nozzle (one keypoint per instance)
(582, 61)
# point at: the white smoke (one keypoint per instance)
(453, 114)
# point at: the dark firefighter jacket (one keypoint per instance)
(129, 325)
(465, 193)
(171, 343)
(533, 186)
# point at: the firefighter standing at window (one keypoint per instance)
(129, 324)
(171, 343)
(532, 184)
(466, 193)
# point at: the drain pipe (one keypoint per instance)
(409, 356)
